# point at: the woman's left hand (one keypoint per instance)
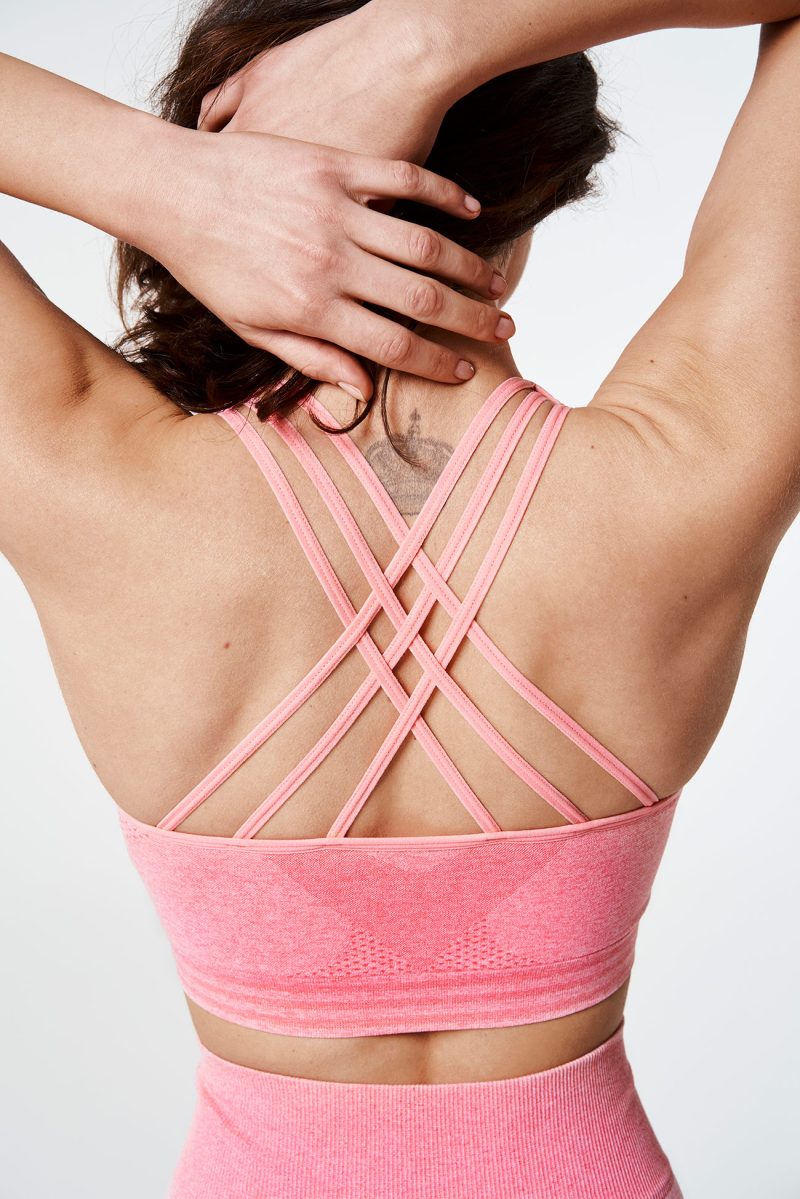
(361, 86)
(275, 236)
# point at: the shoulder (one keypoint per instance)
(702, 408)
(88, 446)
(664, 505)
(84, 443)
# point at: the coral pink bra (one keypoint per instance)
(341, 935)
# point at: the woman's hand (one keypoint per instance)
(358, 83)
(333, 87)
(275, 237)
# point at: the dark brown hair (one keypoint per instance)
(525, 143)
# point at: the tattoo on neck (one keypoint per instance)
(409, 485)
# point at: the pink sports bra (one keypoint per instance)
(352, 936)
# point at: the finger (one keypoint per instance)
(219, 105)
(424, 299)
(416, 246)
(384, 341)
(320, 360)
(377, 177)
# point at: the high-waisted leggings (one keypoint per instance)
(577, 1131)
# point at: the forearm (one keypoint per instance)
(71, 149)
(463, 43)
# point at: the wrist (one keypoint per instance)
(74, 150)
(145, 200)
(122, 169)
(421, 47)
(445, 49)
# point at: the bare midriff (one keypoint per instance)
(461, 1055)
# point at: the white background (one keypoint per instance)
(98, 1052)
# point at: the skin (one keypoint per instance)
(448, 1056)
(325, 244)
(140, 534)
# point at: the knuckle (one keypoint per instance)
(444, 363)
(424, 299)
(485, 320)
(312, 370)
(481, 271)
(426, 247)
(406, 174)
(241, 328)
(319, 256)
(309, 309)
(316, 212)
(319, 159)
(397, 348)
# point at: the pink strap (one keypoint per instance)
(357, 627)
(394, 609)
(377, 664)
(407, 625)
(457, 630)
(491, 652)
(410, 624)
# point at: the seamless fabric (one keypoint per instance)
(349, 936)
(578, 1131)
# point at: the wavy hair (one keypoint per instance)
(526, 143)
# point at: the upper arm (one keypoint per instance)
(47, 360)
(711, 383)
(68, 405)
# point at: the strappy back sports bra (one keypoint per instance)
(352, 936)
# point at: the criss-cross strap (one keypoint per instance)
(442, 593)
(455, 634)
(430, 664)
(407, 625)
(358, 624)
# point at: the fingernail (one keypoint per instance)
(464, 369)
(352, 391)
(498, 285)
(472, 204)
(505, 326)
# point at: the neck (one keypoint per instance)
(438, 403)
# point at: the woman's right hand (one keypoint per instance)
(377, 97)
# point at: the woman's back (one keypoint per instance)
(602, 602)
(173, 649)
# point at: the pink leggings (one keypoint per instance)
(577, 1131)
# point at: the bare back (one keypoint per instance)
(208, 620)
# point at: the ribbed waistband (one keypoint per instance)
(576, 1131)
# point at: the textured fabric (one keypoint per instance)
(348, 936)
(358, 936)
(577, 1131)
